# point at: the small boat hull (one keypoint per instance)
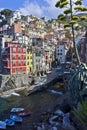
(10, 97)
(23, 114)
(16, 118)
(9, 122)
(2, 125)
(17, 109)
(57, 86)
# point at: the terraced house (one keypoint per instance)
(29, 60)
(14, 58)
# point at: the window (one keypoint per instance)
(37, 67)
(16, 70)
(24, 49)
(14, 63)
(24, 56)
(19, 56)
(31, 57)
(14, 49)
(24, 62)
(20, 69)
(14, 56)
(46, 57)
(27, 57)
(19, 50)
(19, 62)
(28, 63)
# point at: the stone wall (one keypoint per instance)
(8, 82)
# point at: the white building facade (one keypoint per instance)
(61, 53)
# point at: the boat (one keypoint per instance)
(11, 97)
(55, 92)
(9, 122)
(58, 68)
(19, 109)
(59, 85)
(16, 118)
(23, 114)
(2, 125)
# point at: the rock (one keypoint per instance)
(39, 128)
(43, 127)
(1, 90)
(54, 128)
(69, 128)
(59, 112)
(66, 120)
(53, 122)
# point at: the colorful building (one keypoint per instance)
(47, 58)
(37, 59)
(14, 58)
(82, 49)
(61, 53)
(29, 62)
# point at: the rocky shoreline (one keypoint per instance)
(60, 116)
(9, 83)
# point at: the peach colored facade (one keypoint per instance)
(17, 27)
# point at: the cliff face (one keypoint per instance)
(8, 82)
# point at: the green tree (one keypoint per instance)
(81, 113)
(70, 19)
(6, 12)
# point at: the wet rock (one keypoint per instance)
(43, 127)
(39, 128)
(59, 112)
(54, 128)
(69, 128)
(53, 120)
(66, 120)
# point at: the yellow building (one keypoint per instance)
(29, 61)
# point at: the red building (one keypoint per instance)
(14, 58)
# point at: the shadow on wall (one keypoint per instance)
(0, 81)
